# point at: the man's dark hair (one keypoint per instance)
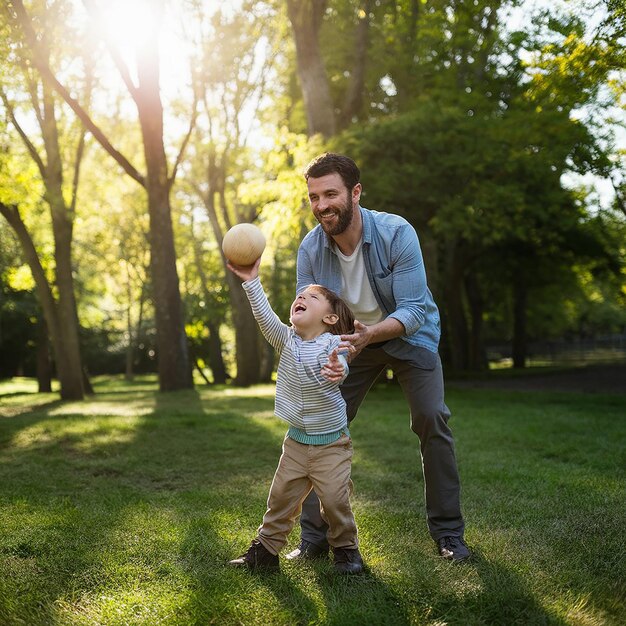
(330, 163)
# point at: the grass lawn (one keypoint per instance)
(125, 508)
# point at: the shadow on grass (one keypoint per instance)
(360, 599)
(89, 495)
(152, 494)
(221, 592)
(501, 597)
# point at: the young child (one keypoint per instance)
(317, 449)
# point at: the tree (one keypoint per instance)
(482, 178)
(48, 155)
(173, 359)
(306, 20)
(327, 114)
(231, 85)
(24, 341)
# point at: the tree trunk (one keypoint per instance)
(453, 309)
(66, 305)
(172, 351)
(44, 367)
(267, 362)
(306, 19)
(353, 102)
(199, 368)
(67, 376)
(134, 330)
(520, 346)
(61, 314)
(129, 374)
(248, 354)
(216, 359)
(477, 355)
(62, 228)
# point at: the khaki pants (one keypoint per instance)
(302, 468)
(421, 379)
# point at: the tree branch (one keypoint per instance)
(183, 147)
(619, 197)
(48, 75)
(80, 148)
(27, 142)
(12, 215)
(32, 90)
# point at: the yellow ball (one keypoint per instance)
(243, 244)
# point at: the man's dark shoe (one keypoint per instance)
(348, 561)
(308, 551)
(453, 548)
(257, 557)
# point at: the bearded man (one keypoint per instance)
(373, 260)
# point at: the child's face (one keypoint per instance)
(311, 312)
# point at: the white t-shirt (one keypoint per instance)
(355, 287)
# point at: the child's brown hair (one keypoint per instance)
(345, 324)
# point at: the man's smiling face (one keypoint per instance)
(332, 203)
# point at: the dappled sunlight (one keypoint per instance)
(156, 604)
(576, 609)
(20, 385)
(134, 556)
(260, 414)
(128, 510)
(229, 525)
(83, 435)
(18, 408)
(19, 396)
(261, 391)
(105, 409)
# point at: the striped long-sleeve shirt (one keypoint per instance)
(304, 398)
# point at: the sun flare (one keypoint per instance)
(131, 25)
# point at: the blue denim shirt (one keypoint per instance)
(395, 268)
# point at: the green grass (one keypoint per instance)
(125, 508)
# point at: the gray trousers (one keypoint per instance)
(421, 380)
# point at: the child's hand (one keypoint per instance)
(245, 272)
(333, 370)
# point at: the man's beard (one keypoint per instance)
(344, 219)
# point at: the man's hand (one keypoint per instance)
(333, 370)
(245, 272)
(357, 340)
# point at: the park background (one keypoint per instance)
(134, 134)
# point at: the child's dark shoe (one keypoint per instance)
(258, 557)
(348, 561)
